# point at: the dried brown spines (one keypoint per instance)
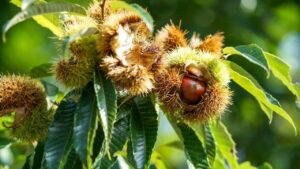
(195, 40)
(25, 97)
(211, 43)
(120, 23)
(95, 11)
(135, 79)
(167, 86)
(143, 53)
(134, 72)
(20, 92)
(170, 37)
(127, 53)
(98, 11)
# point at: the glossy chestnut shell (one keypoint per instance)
(192, 90)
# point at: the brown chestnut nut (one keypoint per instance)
(192, 90)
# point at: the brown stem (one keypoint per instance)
(104, 8)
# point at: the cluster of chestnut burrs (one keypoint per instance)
(188, 76)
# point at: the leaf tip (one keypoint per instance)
(4, 33)
(295, 130)
(3, 38)
(270, 121)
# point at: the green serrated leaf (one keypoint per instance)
(243, 80)
(119, 137)
(174, 144)
(59, 137)
(98, 141)
(225, 144)
(4, 142)
(51, 89)
(265, 166)
(107, 104)
(268, 111)
(28, 162)
(116, 165)
(124, 109)
(115, 5)
(281, 71)
(38, 158)
(143, 129)
(72, 161)
(219, 162)
(210, 145)
(26, 3)
(157, 161)
(193, 147)
(40, 9)
(49, 21)
(247, 165)
(84, 125)
(84, 3)
(18, 3)
(122, 161)
(42, 70)
(130, 156)
(251, 52)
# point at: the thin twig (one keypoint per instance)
(103, 9)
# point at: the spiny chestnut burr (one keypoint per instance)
(211, 43)
(78, 69)
(26, 97)
(127, 53)
(192, 90)
(118, 31)
(193, 85)
(170, 37)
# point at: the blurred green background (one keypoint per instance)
(272, 24)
